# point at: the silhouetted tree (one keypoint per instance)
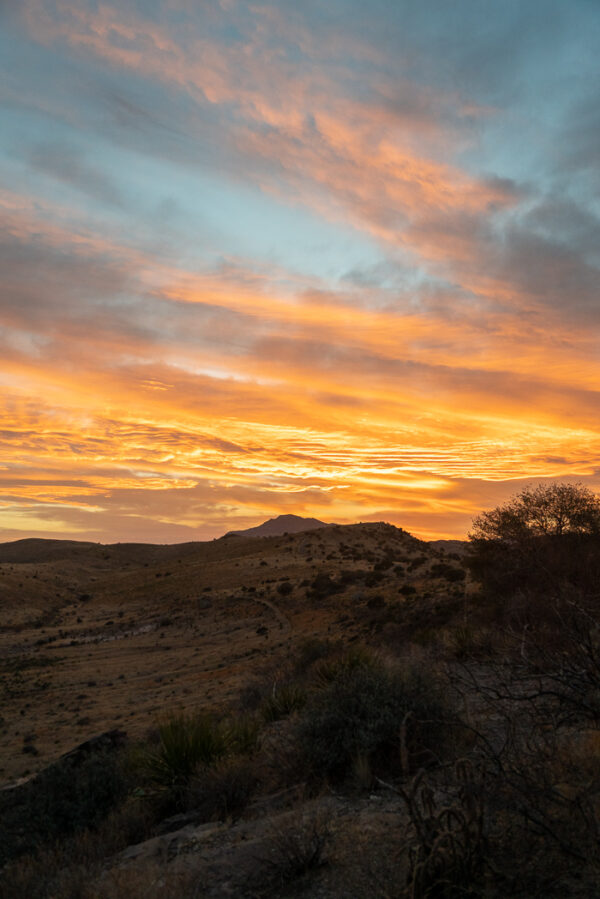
(545, 539)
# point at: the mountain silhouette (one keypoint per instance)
(283, 524)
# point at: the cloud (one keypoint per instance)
(159, 383)
(69, 165)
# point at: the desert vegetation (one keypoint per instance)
(429, 727)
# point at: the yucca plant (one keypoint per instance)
(186, 742)
(283, 701)
(242, 734)
(326, 671)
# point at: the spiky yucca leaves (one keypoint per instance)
(282, 701)
(327, 670)
(186, 742)
(242, 734)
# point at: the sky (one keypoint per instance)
(325, 257)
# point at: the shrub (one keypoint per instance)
(446, 840)
(384, 564)
(466, 642)
(323, 586)
(283, 701)
(311, 650)
(328, 670)
(374, 578)
(450, 572)
(392, 718)
(241, 734)
(73, 794)
(185, 743)
(297, 844)
(222, 791)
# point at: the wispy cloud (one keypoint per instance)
(287, 258)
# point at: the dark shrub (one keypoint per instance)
(392, 718)
(376, 602)
(311, 650)
(339, 663)
(323, 586)
(384, 564)
(283, 701)
(450, 572)
(72, 794)
(297, 846)
(374, 578)
(348, 577)
(186, 742)
(222, 791)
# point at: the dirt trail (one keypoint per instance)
(283, 620)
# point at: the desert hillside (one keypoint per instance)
(344, 711)
(99, 636)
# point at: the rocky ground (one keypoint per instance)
(487, 786)
(95, 637)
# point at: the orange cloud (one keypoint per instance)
(220, 394)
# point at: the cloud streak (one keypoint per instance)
(275, 258)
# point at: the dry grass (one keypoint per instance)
(296, 845)
(111, 636)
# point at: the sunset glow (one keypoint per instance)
(323, 258)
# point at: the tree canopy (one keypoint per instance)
(545, 540)
(542, 511)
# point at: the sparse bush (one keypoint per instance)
(328, 670)
(222, 791)
(374, 578)
(297, 844)
(450, 572)
(283, 701)
(323, 585)
(447, 842)
(384, 564)
(71, 795)
(539, 783)
(310, 651)
(393, 718)
(242, 733)
(348, 577)
(466, 642)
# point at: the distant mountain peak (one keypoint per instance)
(282, 524)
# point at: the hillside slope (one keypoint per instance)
(94, 637)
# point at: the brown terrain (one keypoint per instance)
(94, 637)
(482, 781)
